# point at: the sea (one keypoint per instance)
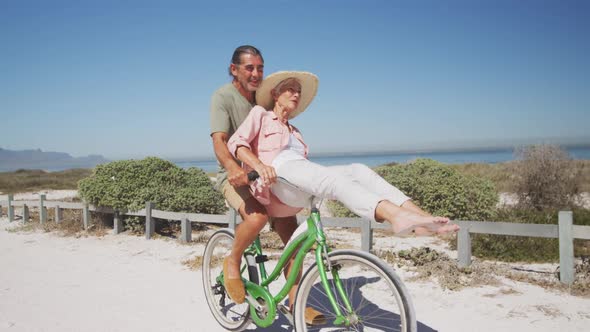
(376, 159)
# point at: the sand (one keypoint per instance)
(127, 283)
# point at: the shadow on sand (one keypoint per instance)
(385, 321)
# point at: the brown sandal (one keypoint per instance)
(234, 286)
(312, 316)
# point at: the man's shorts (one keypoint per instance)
(235, 196)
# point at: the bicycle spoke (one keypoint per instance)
(231, 316)
(371, 291)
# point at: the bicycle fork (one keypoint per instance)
(321, 257)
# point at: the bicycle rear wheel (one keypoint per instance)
(230, 315)
(378, 297)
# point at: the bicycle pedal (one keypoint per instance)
(261, 259)
(285, 311)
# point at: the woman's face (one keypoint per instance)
(289, 97)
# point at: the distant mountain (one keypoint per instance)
(53, 161)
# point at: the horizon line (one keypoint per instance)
(500, 148)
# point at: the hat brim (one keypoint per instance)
(309, 87)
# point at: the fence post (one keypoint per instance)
(10, 208)
(232, 218)
(185, 226)
(366, 235)
(566, 247)
(464, 246)
(117, 223)
(86, 216)
(25, 213)
(149, 221)
(42, 210)
(58, 214)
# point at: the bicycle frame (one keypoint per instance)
(299, 246)
(261, 306)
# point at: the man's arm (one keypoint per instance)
(235, 174)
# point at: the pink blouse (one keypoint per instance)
(265, 136)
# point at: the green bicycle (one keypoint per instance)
(354, 290)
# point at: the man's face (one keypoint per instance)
(249, 72)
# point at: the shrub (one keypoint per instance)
(529, 249)
(128, 184)
(546, 177)
(443, 191)
(339, 210)
(440, 189)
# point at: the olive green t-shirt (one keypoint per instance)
(228, 110)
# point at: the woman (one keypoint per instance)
(268, 143)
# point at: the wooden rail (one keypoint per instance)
(565, 231)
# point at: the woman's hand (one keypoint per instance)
(267, 173)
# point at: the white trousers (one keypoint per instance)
(357, 186)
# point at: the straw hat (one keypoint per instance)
(309, 87)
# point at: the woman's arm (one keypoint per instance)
(247, 131)
(239, 144)
(267, 173)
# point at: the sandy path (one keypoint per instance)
(126, 283)
(91, 284)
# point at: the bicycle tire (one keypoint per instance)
(379, 299)
(230, 315)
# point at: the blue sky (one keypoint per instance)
(128, 79)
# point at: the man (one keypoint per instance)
(230, 105)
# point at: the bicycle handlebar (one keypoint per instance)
(253, 176)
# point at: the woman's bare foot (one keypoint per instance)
(405, 222)
(443, 230)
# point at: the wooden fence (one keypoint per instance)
(565, 231)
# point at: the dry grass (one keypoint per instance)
(201, 237)
(429, 264)
(271, 240)
(34, 180)
(70, 225)
(502, 174)
(194, 263)
(584, 168)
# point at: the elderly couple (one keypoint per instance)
(250, 122)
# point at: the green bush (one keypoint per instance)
(438, 189)
(128, 184)
(528, 249)
(339, 210)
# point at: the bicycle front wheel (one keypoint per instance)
(230, 315)
(378, 299)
